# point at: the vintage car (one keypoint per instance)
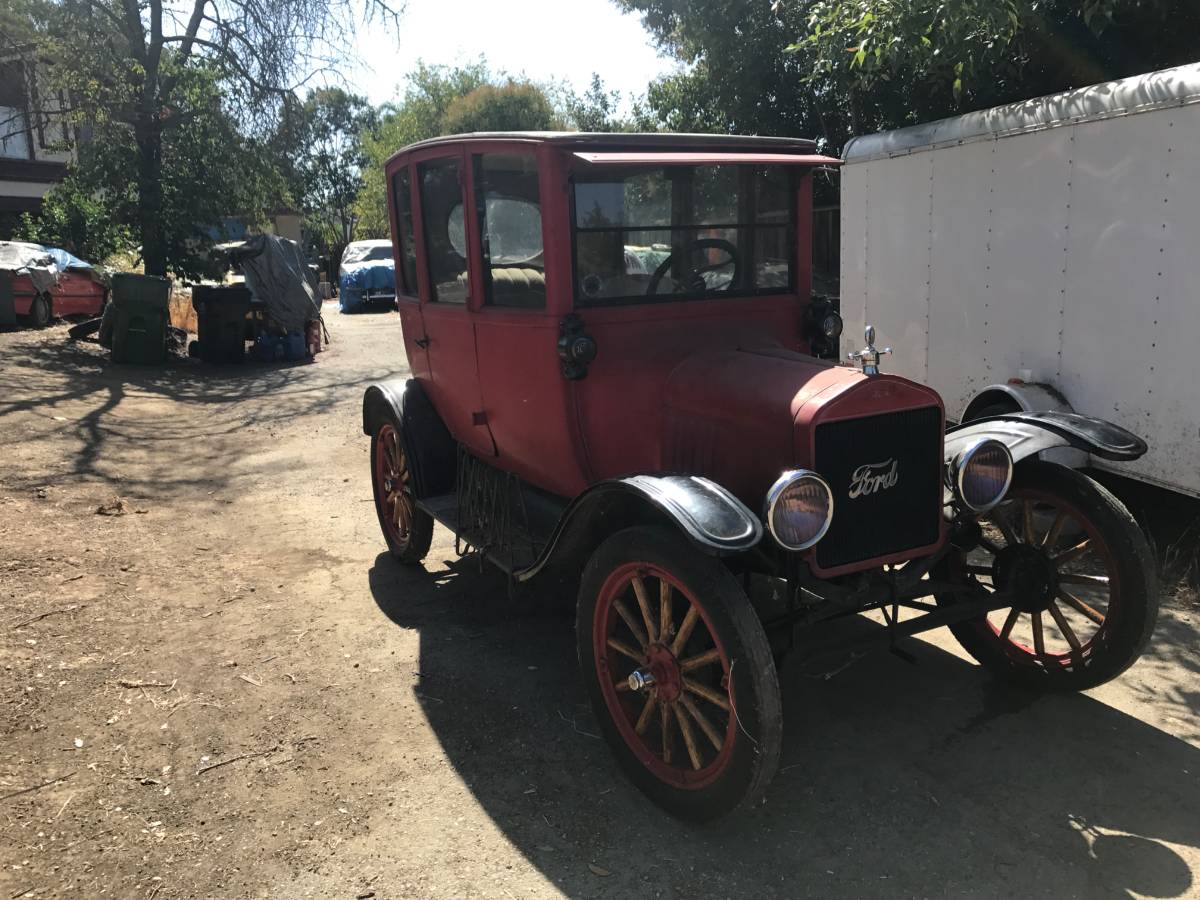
(48, 282)
(657, 429)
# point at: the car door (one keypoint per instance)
(449, 295)
(77, 294)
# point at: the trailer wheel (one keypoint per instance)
(1084, 575)
(679, 673)
(407, 529)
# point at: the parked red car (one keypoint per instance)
(615, 377)
(70, 288)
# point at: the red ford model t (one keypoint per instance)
(615, 372)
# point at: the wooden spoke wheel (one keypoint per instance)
(407, 529)
(1081, 574)
(679, 672)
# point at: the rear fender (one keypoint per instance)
(1029, 433)
(431, 452)
(710, 517)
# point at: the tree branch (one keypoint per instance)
(134, 31)
(193, 28)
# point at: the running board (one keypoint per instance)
(444, 509)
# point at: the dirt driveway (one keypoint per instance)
(241, 696)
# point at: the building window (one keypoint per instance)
(14, 112)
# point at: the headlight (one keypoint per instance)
(981, 474)
(799, 509)
(831, 326)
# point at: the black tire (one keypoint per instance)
(409, 544)
(720, 777)
(40, 311)
(998, 408)
(1115, 543)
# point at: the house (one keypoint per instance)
(34, 137)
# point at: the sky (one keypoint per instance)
(544, 40)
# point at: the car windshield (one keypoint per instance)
(367, 251)
(683, 232)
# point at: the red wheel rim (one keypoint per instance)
(1075, 623)
(392, 480)
(683, 727)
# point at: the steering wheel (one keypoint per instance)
(689, 282)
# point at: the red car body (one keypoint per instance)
(75, 294)
(723, 388)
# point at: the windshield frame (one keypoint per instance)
(614, 174)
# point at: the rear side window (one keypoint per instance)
(443, 227)
(408, 252)
(510, 223)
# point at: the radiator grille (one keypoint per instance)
(892, 463)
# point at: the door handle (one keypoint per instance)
(422, 342)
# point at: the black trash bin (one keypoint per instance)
(221, 317)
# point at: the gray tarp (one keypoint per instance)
(29, 259)
(278, 275)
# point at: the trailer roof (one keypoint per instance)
(616, 141)
(1140, 93)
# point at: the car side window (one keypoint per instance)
(510, 225)
(408, 252)
(444, 230)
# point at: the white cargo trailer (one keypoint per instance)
(1043, 255)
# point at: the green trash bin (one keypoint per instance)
(140, 308)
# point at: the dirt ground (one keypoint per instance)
(236, 693)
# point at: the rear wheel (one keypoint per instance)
(39, 311)
(679, 673)
(407, 529)
(1087, 595)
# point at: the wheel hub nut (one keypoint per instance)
(640, 680)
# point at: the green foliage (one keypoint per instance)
(834, 68)
(79, 219)
(596, 109)
(511, 106)
(737, 76)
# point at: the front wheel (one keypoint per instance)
(407, 528)
(679, 673)
(1082, 575)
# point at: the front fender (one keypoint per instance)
(1027, 434)
(712, 518)
(432, 453)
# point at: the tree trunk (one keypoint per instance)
(149, 184)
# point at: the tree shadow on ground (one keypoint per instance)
(896, 779)
(180, 444)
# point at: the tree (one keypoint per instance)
(148, 69)
(320, 146)
(896, 63)
(835, 68)
(511, 106)
(596, 109)
(738, 77)
(79, 219)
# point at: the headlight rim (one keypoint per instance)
(963, 459)
(782, 483)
